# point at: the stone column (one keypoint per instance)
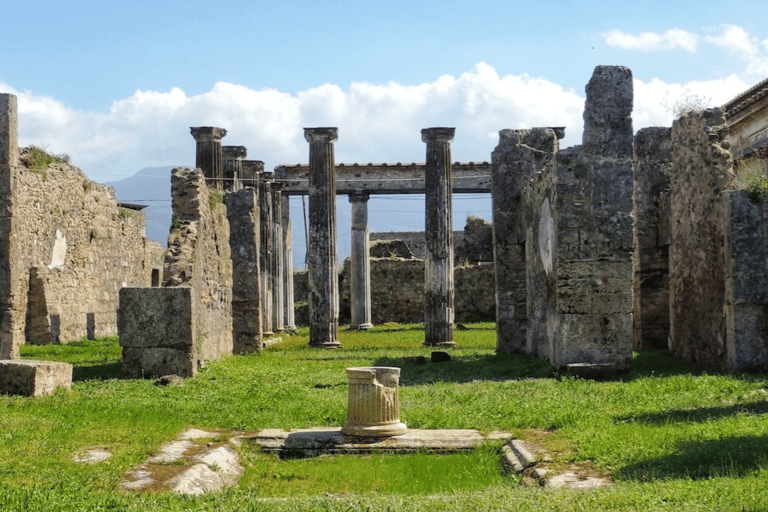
(288, 307)
(252, 170)
(11, 333)
(208, 156)
(360, 286)
(233, 167)
(265, 255)
(374, 406)
(438, 228)
(323, 260)
(277, 258)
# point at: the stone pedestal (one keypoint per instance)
(323, 259)
(374, 408)
(438, 230)
(208, 156)
(360, 288)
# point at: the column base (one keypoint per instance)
(390, 430)
(328, 344)
(446, 344)
(361, 327)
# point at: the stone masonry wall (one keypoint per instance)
(652, 171)
(746, 281)
(702, 170)
(199, 257)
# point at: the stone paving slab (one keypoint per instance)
(331, 440)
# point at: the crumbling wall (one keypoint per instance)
(652, 173)
(563, 234)
(67, 249)
(472, 245)
(197, 299)
(702, 170)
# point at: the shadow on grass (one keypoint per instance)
(98, 372)
(698, 415)
(728, 456)
(494, 367)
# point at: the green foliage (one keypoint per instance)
(94, 234)
(125, 212)
(176, 222)
(214, 199)
(751, 176)
(672, 435)
(36, 158)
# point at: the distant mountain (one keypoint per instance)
(150, 186)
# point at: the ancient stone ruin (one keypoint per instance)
(67, 247)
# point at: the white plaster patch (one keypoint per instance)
(546, 236)
(59, 252)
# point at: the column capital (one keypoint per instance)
(267, 177)
(359, 197)
(437, 134)
(321, 134)
(207, 133)
(234, 152)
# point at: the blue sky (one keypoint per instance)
(117, 85)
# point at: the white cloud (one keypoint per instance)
(736, 40)
(672, 39)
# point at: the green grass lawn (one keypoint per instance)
(672, 435)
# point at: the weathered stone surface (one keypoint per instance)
(158, 332)
(360, 265)
(652, 172)
(390, 249)
(92, 456)
(374, 405)
(702, 170)
(192, 464)
(475, 243)
(323, 259)
(33, 378)
(243, 214)
(208, 155)
(438, 231)
(746, 282)
(331, 440)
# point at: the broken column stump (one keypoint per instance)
(374, 408)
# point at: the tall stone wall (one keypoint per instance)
(746, 281)
(650, 265)
(702, 170)
(563, 234)
(68, 248)
(199, 257)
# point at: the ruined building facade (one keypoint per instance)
(66, 248)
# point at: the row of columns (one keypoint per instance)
(323, 262)
(226, 170)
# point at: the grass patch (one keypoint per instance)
(673, 435)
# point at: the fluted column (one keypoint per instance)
(208, 156)
(277, 258)
(360, 285)
(265, 255)
(288, 307)
(323, 261)
(233, 166)
(438, 314)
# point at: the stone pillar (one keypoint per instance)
(208, 156)
(244, 242)
(265, 254)
(11, 333)
(233, 167)
(323, 260)
(288, 307)
(438, 228)
(374, 407)
(252, 170)
(360, 285)
(277, 258)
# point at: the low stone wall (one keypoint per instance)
(397, 292)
